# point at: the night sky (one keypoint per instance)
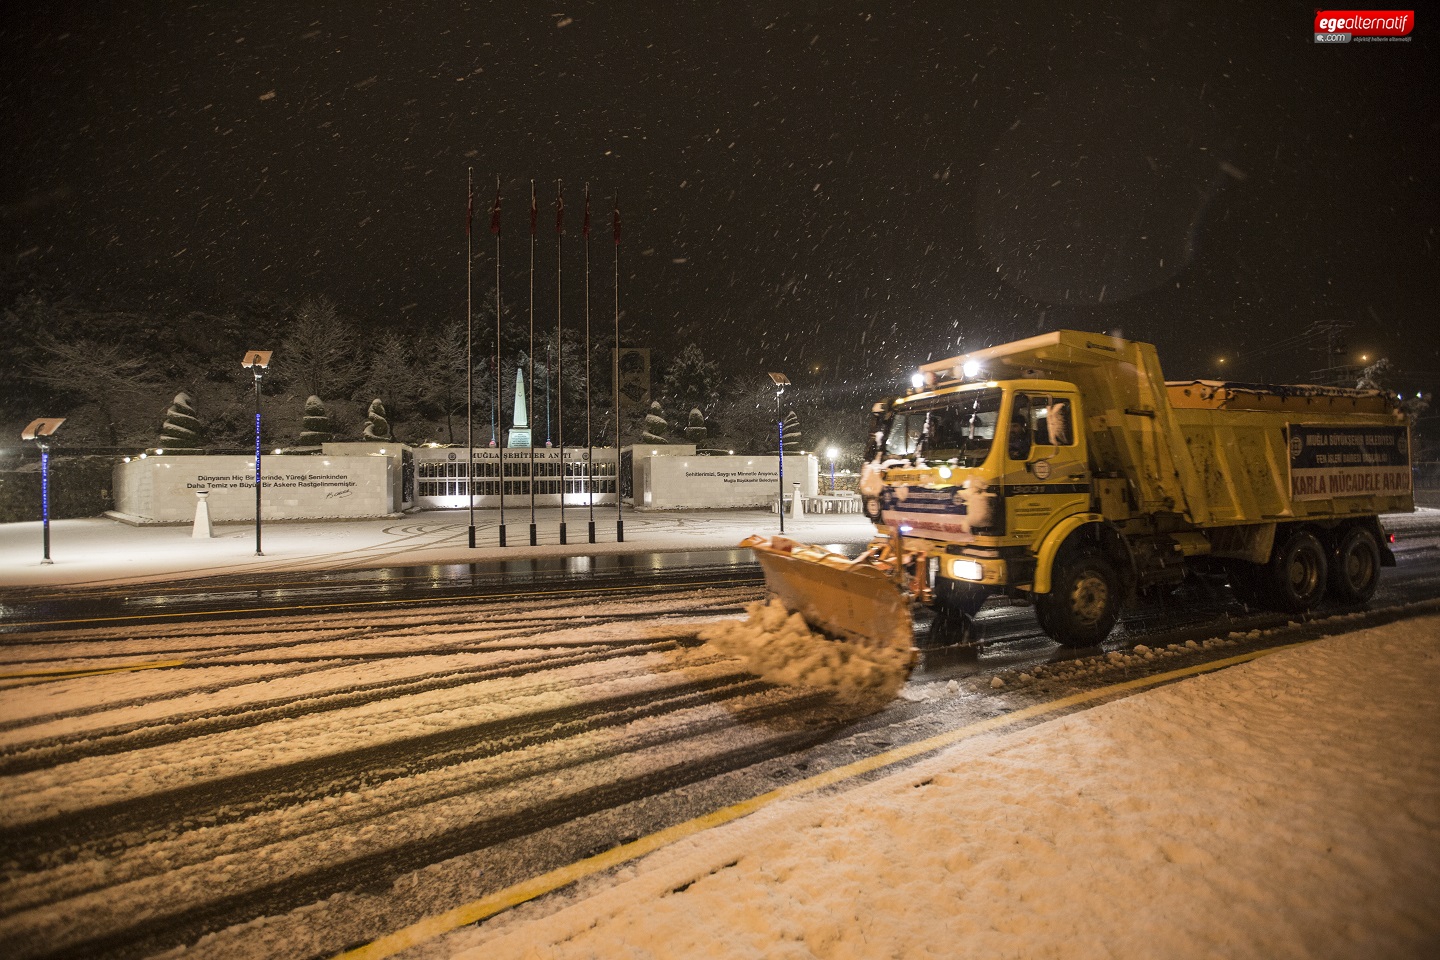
(828, 189)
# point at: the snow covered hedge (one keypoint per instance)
(79, 487)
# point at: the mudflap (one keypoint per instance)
(860, 600)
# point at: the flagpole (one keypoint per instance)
(559, 352)
(589, 417)
(469, 346)
(499, 378)
(619, 520)
(534, 539)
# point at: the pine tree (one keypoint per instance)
(691, 380)
(655, 425)
(445, 387)
(792, 430)
(315, 429)
(320, 347)
(376, 426)
(391, 375)
(695, 431)
(182, 431)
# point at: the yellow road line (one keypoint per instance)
(513, 896)
(40, 676)
(436, 601)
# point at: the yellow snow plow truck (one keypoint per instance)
(1063, 470)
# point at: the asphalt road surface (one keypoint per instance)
(331, 761)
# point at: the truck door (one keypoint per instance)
(1047, 474)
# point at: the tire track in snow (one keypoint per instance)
(173, 729)
(167, 927)
(199, 659)
(109, 828)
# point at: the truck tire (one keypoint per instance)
(1296, 574)
(950, 627)
(955, 607)
(1039, 609)
(1083, 602)
(1355, 566)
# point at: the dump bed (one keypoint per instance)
(1215, 453)
(1265, 452)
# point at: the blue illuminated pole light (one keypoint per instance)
(40, 430)
(256, 361)
(781, 382)
(45, 498)
(258, 553)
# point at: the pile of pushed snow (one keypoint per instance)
(780, 647)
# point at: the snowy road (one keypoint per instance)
(296, 786)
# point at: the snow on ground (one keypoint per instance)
(780, 647)
(1285, 807)
(98, 550)
(107, 779)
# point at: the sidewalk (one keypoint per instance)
(98, 551)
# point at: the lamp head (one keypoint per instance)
(41, 428)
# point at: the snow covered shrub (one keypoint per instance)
(315, 429)
(655, 425)
(182, 431)
(376, 426)
(695, 431)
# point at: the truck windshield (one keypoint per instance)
(902, 434)
(960, 426)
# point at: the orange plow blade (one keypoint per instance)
(858, 601)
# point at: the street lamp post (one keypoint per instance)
(40, 431)
(257, 361)
(781, 382)
(832, 453)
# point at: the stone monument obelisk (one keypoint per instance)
(520, 429)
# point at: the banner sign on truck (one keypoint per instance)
(1328, 461)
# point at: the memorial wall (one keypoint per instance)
(665, 481)
(161, 489)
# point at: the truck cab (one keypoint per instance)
(987, 463)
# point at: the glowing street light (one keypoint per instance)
(257, 361)
(41, 430)
(832, 453)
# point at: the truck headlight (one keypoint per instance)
(967, 570)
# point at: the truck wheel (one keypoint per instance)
(950, 627)
(1039, 607)
(1296, 574)
(955, 607)
(1083, 602)
(1355, 572)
